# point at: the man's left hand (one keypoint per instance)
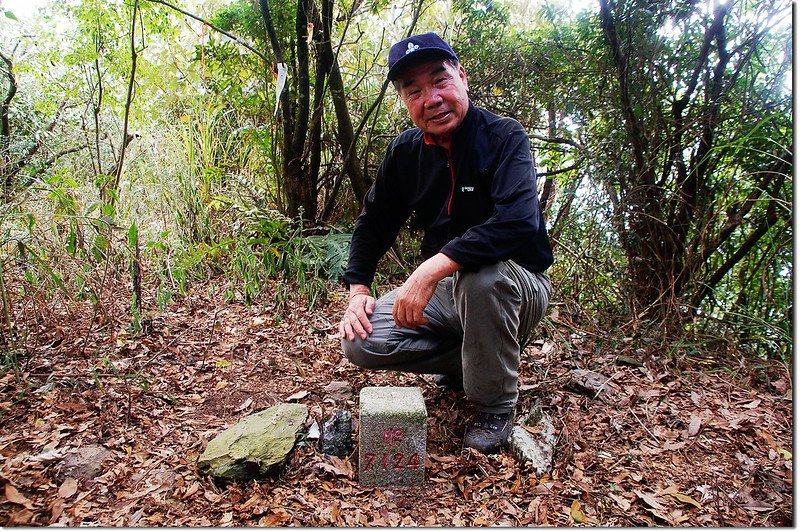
(416, 292)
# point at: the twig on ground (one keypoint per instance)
(210, 339)
(645, 427)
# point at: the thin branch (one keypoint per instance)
(560, 171)
(98, 106)
(702, 58)
(128, 102)
(30, 178)
(232, 37)
(734, 259)
(740, 210)
(266, 14)
(52, 160)
(557, 140)
(569, 193)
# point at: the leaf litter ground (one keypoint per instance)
(672, 440)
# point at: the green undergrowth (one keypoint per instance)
(59, 260)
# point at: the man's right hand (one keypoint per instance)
(356, 318)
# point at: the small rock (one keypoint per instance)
(256, 446)
(313, 431)
(592, 383)
(535, 448)
(630, 361)
(337, 438)
(84, 462)
(534, 416)
(339, 391)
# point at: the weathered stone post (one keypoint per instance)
(393, 424)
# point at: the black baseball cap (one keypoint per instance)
(417, 48)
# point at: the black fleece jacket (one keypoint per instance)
(477, 204)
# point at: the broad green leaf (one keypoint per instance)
(71, 242)
(133, 235)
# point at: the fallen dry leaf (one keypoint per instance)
(276, 518)
(687, 499)
(212, 497)
(694, 425)
(21, 517)
(68, 488)
(339, 390)
(576, 513)
(651, 499)
(622, 502)
(244, 405)
(781, 385)
(509, 508)
(758, 506)
(15, 497)
(56, 509)
(298, 395)
(335, 513)
(191, 490)
(669, 490)
(338, 466)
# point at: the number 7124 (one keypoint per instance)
(397, 462)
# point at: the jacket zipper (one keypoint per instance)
(452, 183)
(431, 141)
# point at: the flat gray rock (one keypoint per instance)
(338, 391)
(255, 447)
(83, 462)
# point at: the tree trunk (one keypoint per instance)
(548, 194)
(5, 127)
(299, 184)
(345, 132)
(657, 222)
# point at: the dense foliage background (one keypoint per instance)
(144, 146)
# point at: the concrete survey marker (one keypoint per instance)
(393, 426)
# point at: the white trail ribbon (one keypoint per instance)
(283, 72)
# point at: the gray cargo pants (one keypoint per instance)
(476, 321)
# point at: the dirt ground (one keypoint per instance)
(680, 437)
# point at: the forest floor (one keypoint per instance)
(688, 438)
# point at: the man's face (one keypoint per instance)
(435, 94)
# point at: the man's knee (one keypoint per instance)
(358, 355)
(485, 282)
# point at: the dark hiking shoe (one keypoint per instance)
(449, 382)
(489, 433)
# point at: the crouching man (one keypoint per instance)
(466, 177)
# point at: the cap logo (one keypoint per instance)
(412, 48)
